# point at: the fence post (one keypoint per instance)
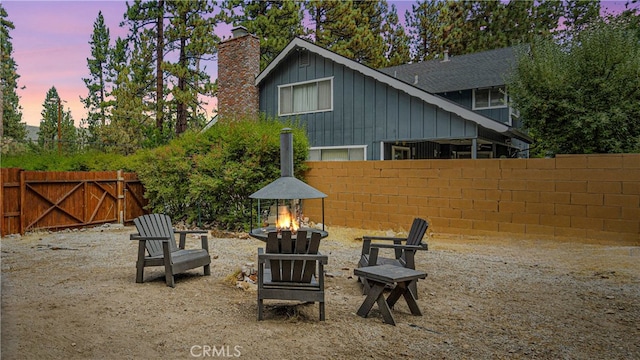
(2, 195)
(23, 190)
(120, 201)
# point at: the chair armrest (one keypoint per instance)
(190, 231)
(183, 237)
(408, 250)
(422, 246)
(366, 242)
(367, 237)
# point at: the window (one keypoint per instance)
(400, 152)
(489, 98)
(336, 153)
(307, 97)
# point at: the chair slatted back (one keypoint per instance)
(299, 271)
(155, 225)
(418, 229)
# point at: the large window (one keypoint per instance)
(335, 153)
(306, 97)
(489, 98)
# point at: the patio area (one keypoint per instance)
(72, 294)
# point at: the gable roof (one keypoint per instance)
(470, 71)
(444, 104)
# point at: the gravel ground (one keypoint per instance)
(73, 295)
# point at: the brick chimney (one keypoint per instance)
(238, 66)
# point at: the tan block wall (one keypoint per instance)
(589, 197)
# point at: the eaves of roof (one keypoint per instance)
(395, 83)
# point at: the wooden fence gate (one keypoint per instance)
(34, 200)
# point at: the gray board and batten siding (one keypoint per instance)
(365, 111)
(455, 76)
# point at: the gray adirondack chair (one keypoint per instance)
(404, 250)
(157, 247)
(291, 269)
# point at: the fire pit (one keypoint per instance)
(284, 198)
(262, 233)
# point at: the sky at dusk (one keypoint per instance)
(51, 47)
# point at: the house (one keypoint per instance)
(354, 112)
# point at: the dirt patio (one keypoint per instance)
(72, 295)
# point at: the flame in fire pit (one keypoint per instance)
(286, 221)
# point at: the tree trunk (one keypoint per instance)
(181, 106)
(160, 56)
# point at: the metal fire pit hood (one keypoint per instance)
(287, 187)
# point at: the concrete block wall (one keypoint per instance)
(589, 197)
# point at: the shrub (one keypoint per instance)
(52, 161)
(209, 176)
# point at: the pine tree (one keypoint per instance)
(130, 99)
(274, 22)
(428, 24)
(184, 29)
(10, 111)
(397, 49)
(351, 29)
(146, 22)
(96, 84)
(469, 26)
(191, 32)
(56, 120)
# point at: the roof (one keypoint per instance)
(396, 83)
(470, 71)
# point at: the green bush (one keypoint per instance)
(210, 176)
(52, 161)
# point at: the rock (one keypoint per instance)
(242, 285)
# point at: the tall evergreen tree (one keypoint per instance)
(184, 29)
(350, 28)
(97, 82)
(130, 99)
(10, 111)
(429, 25)
(56, 120)
(274, 22)
(464, 27)
(146, 19)
(191, 32)
(397, 41)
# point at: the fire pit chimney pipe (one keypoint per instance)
(286, 153)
